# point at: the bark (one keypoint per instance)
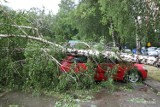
(138, 41)
(138, 45)
(113, 35)
(32, 38)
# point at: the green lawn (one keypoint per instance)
(153, 72)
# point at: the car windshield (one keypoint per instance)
(152, 48)
(78, 59)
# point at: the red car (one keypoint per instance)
(124, 71)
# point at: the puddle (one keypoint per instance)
(21, 99)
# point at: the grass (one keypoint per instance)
(153, 72)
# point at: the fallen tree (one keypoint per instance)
(32, 38)
(149, 60)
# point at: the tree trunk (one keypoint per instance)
(138, 45)
(113, 35)
(138, 41)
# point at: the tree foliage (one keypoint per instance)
(87, 18)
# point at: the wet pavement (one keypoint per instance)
(21, 99)
(137, 95)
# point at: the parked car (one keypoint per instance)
(124, 72)
(127, 51)
(151, 51)
(158, 50)
(151, 48)
(143, 51)
(134, 51)
(78, 43)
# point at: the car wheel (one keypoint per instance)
(133, 76)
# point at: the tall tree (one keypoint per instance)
(129, 17)
(64, 29)
(88, 21)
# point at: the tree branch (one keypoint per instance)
(33, 38)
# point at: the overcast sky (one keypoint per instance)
(27, 4)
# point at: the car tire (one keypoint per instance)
(132, 76)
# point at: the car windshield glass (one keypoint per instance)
(79, 59)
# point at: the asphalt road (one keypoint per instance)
(125, 95)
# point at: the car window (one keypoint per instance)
(80, 59)
(151, 48)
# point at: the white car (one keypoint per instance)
(158, 50)
(127, 51)
(152, 48)
(152, 51)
